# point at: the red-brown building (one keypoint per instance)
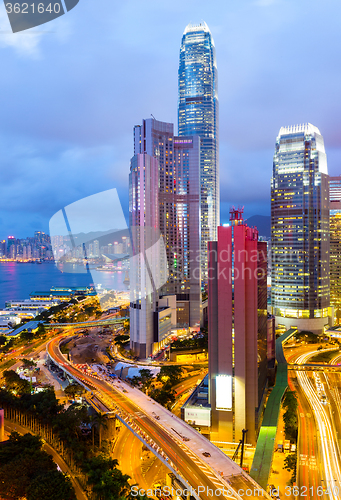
(237, 322)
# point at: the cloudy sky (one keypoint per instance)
(72, 90)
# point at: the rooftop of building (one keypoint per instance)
(197, 27)
(306, 128)
(51, 294)
(31, 325)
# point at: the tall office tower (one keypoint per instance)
(3, 251)
(300, 229)
(335, 245)
(237, 330)
(96, 248)
(198, 115)
(11, 241)
(179, 212)
(143, 217)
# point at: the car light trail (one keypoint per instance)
(327, 440)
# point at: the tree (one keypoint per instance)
(16, 475)
(16, 384)
(3, 340)
(290, 400)
(28, 363)
(121, 339)
(26, 470)
(290, 415)
(170, 374)
(40, 330)
(100, 421)
(8, 346)
(26, 336)
(290, 464)
(166, 396)
(146, 377)
(107, 482)
(53, 485)
(74, 389)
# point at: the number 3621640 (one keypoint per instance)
(34, 8)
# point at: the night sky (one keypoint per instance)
(72, 90)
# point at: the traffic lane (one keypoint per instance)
(332, 389)
(128, 452)
(307, 446)
(319, 445)
(329, 463)
(291, 353)
(187, 384)
(125, 453)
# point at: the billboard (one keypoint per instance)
(198, 416)
(224, 392)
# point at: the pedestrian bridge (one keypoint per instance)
(314, 367)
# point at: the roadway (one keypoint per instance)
(180, 456)
(88, 324)
(144, 468)
(183, 391)
(307, 447)
(318, 451)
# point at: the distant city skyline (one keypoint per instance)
(68, 135)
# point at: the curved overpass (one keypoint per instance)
(165, 434)
(84, 324)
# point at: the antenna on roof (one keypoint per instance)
(152, 116)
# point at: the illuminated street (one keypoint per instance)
(319, 458)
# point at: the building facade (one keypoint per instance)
(335, 246)
(237, 322)
(178, 212)
(143, 217)
(300, 230)
(198, 116)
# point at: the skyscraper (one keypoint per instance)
(3, 248)
(237, 330)
(179, 212)
(144, 215)
(198, 115)
(300, 229)
(335, 245)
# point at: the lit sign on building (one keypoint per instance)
(224, 392)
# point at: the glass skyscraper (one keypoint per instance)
(164, 199)
(335, 245)
(198, 115)
(179, 211)
(300, 229)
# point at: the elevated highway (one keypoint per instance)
(178, 445)
(314, 367)
(87, 324)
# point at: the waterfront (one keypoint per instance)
(17, 281)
